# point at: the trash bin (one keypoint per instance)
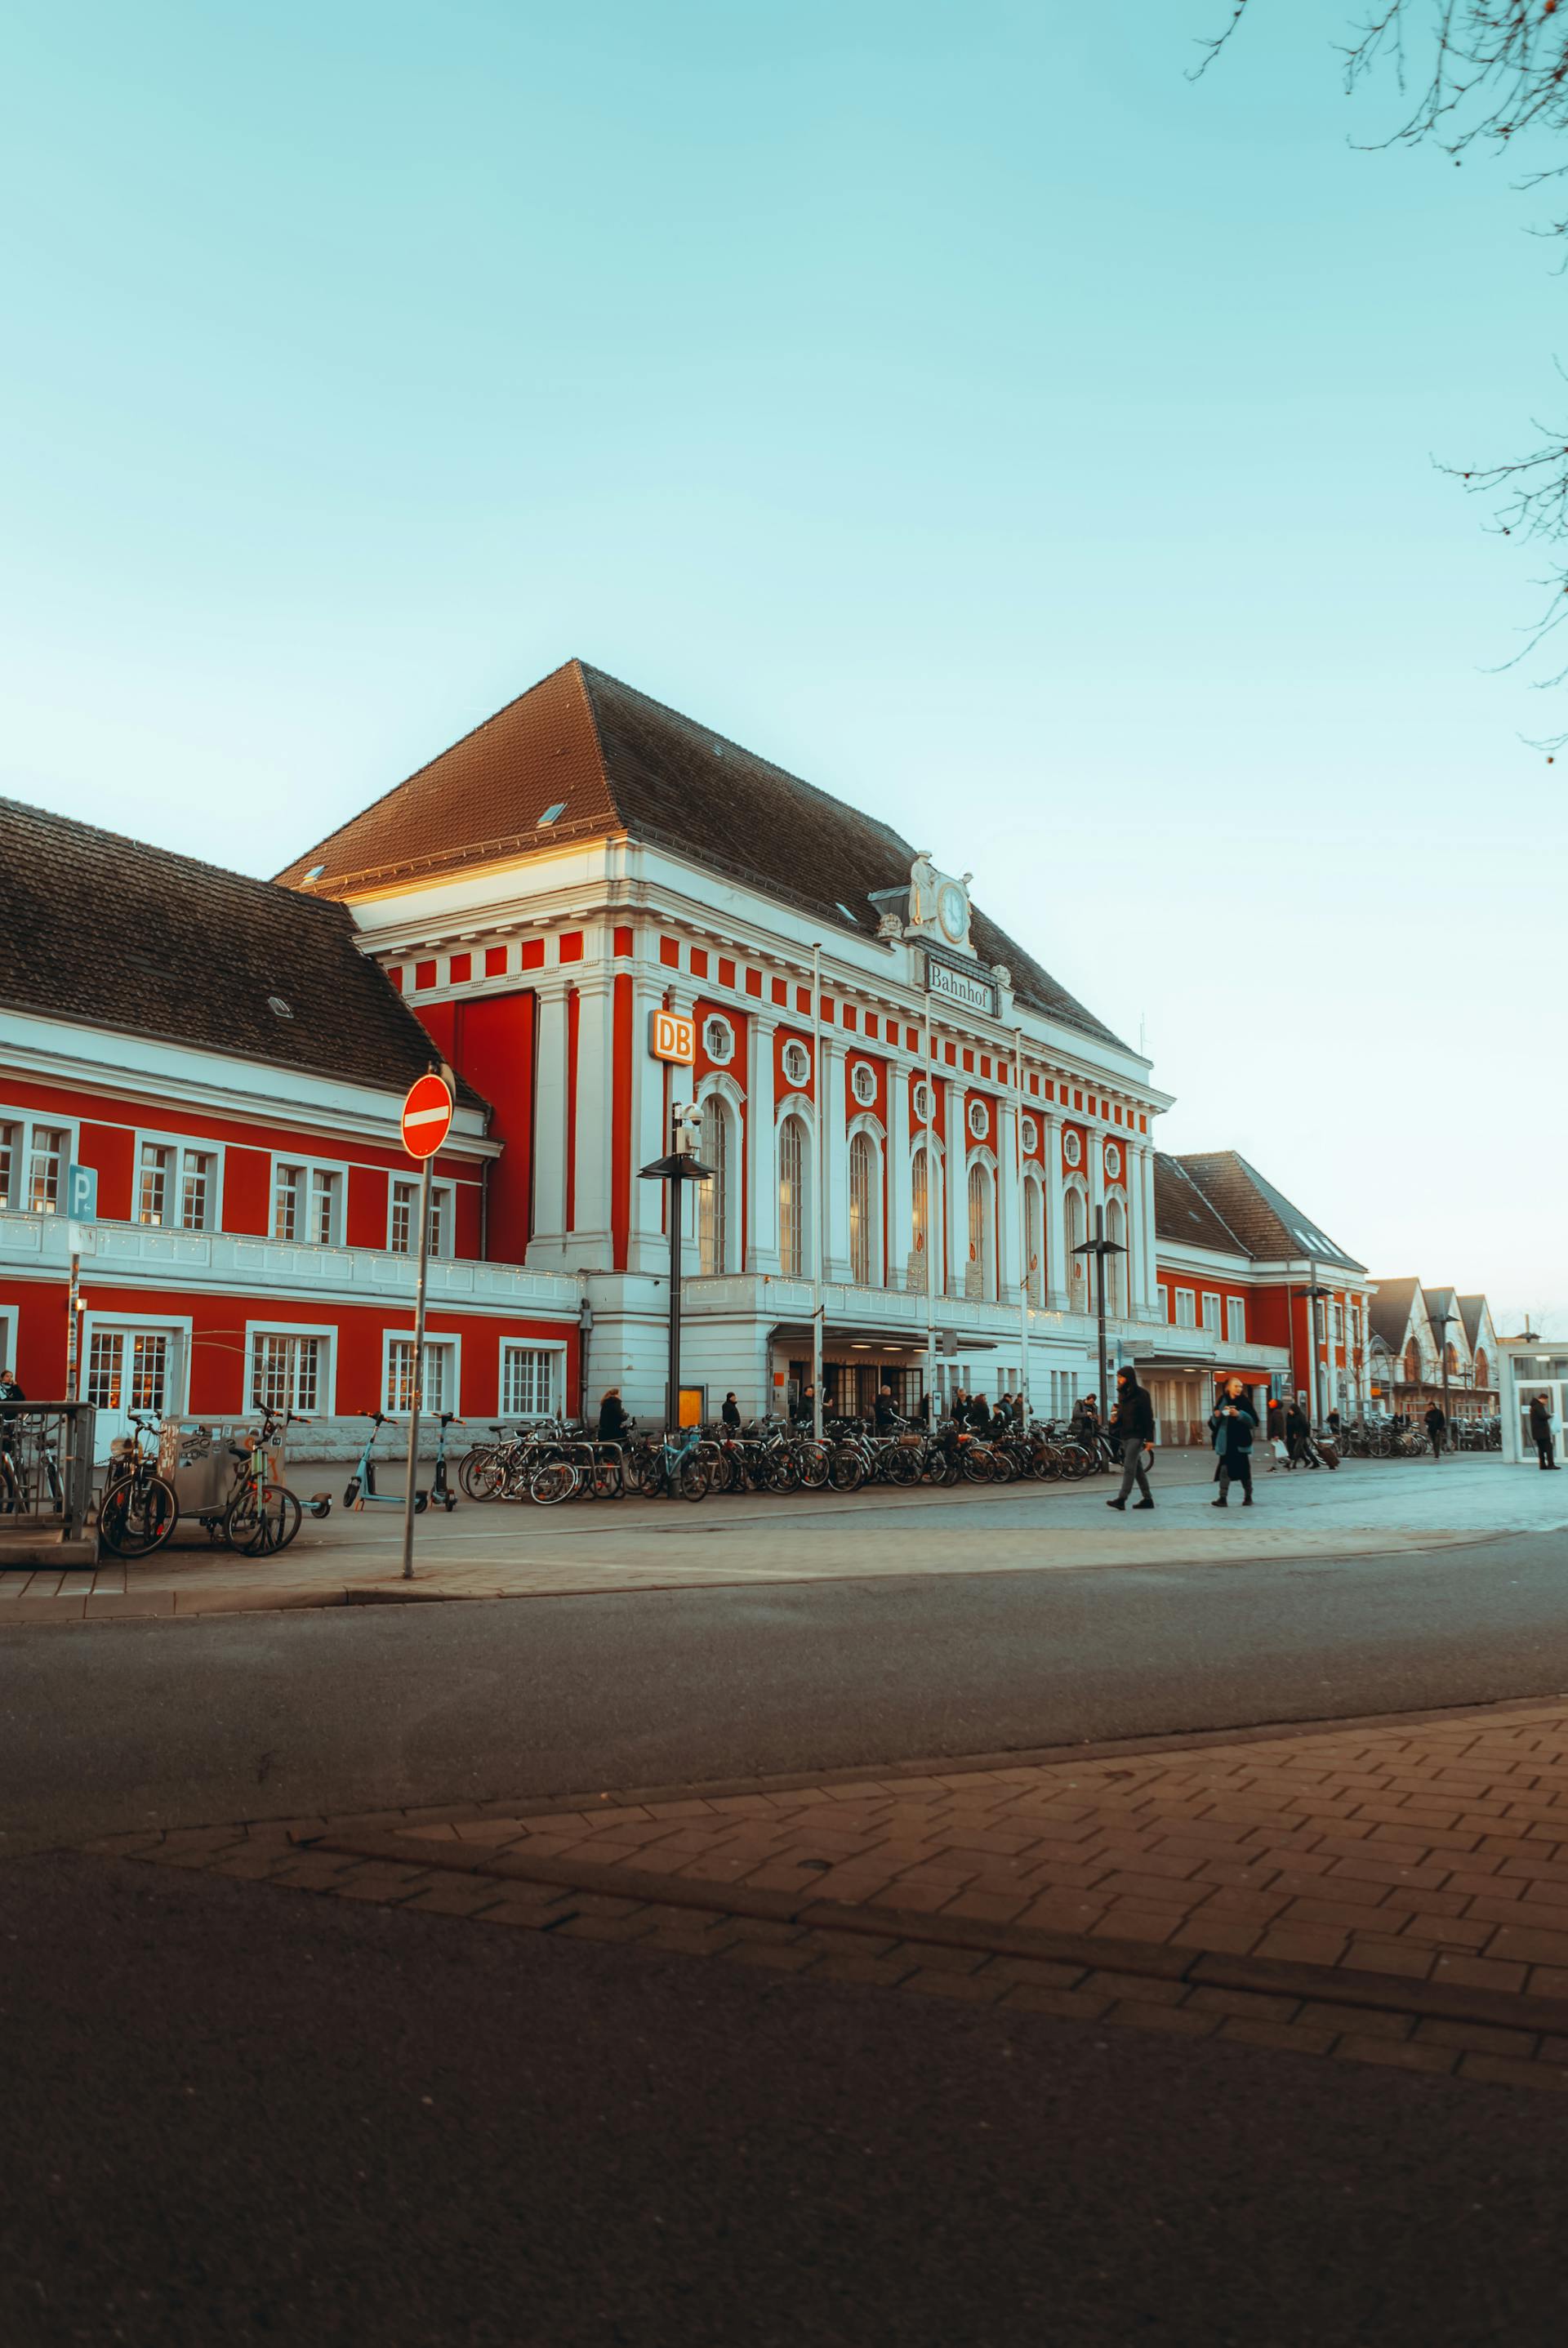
(197, 1457)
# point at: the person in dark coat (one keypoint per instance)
(1276, 1420)
(957, 1409)
(1437, 1430)
(1233, 1424)
(730, 1413)
(1540, 1431)
(1298, 1436)
(883, 1416)
(805, 1406)
(977, 1414)
(1132, 1425)
(613, 1422)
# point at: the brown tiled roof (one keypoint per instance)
(1262, 1218)
(113, 934)
(615, 761)
(1183, 1215)
(1470, 1310)
(1389, 1314)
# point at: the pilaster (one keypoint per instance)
(761, 1150)
(957, 1187)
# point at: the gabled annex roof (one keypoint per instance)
(112, 934)
(1263, 1219)
(1183, 1215)
(1390, 1313)
(606, 759)
(1472, 1310)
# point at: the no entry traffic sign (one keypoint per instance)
(426, 1116)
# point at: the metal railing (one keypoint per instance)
(46, 1468)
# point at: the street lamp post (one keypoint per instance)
(678, 1168)
(1440, 1322)
(1099, 1247)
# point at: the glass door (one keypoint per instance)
(127, 1369)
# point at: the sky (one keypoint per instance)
(951, 400)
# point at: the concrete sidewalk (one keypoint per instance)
(1369, 1508)
(1393, 1893)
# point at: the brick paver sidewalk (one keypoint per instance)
(1392, 1893)
(1437, 1852)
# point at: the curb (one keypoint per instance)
(1141, 1960)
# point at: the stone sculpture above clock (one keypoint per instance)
(939, 905)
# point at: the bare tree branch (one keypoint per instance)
(1490, 72)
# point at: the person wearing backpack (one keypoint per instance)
(1132, 1425)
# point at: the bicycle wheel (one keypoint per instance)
(693, 1480)
(262, 1521)
(555, 1481)
(812, 1460)
(846, 1471)
(138, 1516)
(781, 1471)
(480, 1472)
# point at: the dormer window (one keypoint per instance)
(552, 814)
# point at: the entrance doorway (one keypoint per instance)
(130, 1367)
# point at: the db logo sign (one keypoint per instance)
(673, 1039)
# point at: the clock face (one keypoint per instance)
(951, 910)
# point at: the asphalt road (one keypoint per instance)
(122, 1725)
(239, 2115)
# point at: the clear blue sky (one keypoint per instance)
(953, 402)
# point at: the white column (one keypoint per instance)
(957, 1186)
(761, 1163)
(1095, 1143)
(1008, 1204)
(1152, 1232)
(1059, 1273)
(591, 1171)
(831, 1106)
(900, 1235)
(648, 1248)
(550, 1131)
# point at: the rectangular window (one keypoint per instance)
(176, 1186)
(1235, 1321)
(527, 1381)
(10, 1158)
(1339, 1324)
(152, 1191)
(286, 1372)
(46, 1162)
(1212, 1315)
(1186, 1309)
(1163, 1295)
(306, 1203)
(406, 1207)
(440, 1377)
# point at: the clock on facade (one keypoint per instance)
(952, 912)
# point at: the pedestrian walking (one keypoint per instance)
(1232, 1424)
(805, 1410)
(1437, 1430)
(730, 1413)
(1133, 1424)
(1333, 1423)
(614, 1421)
(1297, 1438)
(1540, 1431)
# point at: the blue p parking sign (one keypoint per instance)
(81, 1193)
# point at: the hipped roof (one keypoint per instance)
(614, 761)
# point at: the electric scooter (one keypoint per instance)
(440, 1491)
(360, 1491)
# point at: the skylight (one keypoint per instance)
(845, 911)
(552, 814)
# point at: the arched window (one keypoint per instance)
(1077, 1215)
(793, 1158)
(862, 1210)
(713, 1196)
(982, 1279)
(1412, 1363)
(1481, 1378)
(920, 1203)
(1033, 1244)
(1116, 1266)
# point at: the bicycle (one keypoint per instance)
(137, 1510)
(675, 1468)
(262, 1517)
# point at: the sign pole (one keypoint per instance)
(73, 1364)
(418, 1368)
(672, 1380)
(1100, 1253)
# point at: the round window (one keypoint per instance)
(1072, 1149)
(1031, 1136)
(796, 1064)
(1112, 1160)
(719, 1041)
(979, 1119)
(863, 1083)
